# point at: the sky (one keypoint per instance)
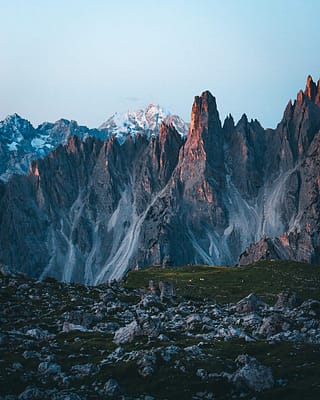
(86, 59)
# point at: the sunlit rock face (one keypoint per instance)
(93, 209)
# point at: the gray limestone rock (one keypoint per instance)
(167, 290)
(49, 368)
(252, 374)
(85, 369)
(146, 364)
(69, 327)
(271, 325)
(249, 304)
(288, 299)
(112, 388)
(127, 333)
(31, 393)
(39, 334)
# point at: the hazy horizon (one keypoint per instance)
(85, 60)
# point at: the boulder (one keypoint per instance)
(79, 317)
(146, 364)
(31, 393)
(152, 287)
(49, 368)
(127, 333)
(249, 304)
(85, 369)
(167, 290)
(288, 299)
(112, 388)
(271, 325)
(252, 374)
(69, 327)
(39, 334)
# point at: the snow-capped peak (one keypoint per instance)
(146, 121)
(14, 129)
(14, 122)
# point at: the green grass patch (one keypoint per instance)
(230, 284)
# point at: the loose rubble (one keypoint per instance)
(64, 341)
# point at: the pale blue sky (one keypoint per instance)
(85, 59)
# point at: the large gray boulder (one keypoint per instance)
(252, 374)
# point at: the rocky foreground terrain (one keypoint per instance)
(69, 341)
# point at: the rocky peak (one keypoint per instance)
(168, 133)
(205, 140)
(14, 124)
(228, 123)
(204, 115)
(300, 122)
(170, 143)
(142, 121)
(243, 121)
(311, 89)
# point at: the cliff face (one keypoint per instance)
(91, 210)
(293, 159)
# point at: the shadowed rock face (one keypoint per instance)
(91, 210)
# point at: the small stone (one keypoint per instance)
(31, 393)
(112, 388)
(163, 338)
(151, 327)
(4, 339)
(202, 373)
(152, 287)
(151, 301)
(17, 366)
(167, 290)
(65, 395)
(194, 319)
(168, 352)
(69, 327)
(85, 369)
(49, 368)
(31, 354)
(146, 364)
(194, 350)
(79, 317)
(39, 334)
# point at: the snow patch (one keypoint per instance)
(13, 146)
(38, 143)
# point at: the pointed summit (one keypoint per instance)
(228, 123)
(14, 125)
(13, 120)
(311, 89)
(142, 121)
(317, 99)
(205, 139)
(243, 121)
(204, 114)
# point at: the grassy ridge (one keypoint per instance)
(230, 284)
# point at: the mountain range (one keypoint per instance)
(103, 203)
(20, 142)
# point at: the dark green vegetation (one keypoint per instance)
(230, 284)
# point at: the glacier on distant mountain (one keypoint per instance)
(20, 142)
(141, 121)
